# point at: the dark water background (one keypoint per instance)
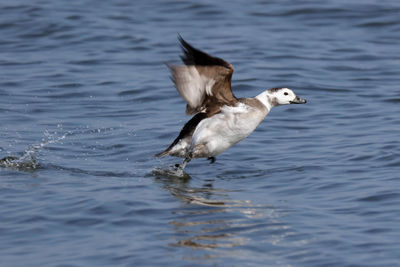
(86, 100)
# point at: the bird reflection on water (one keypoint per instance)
(210, 219)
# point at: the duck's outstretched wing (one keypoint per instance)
(204, 81)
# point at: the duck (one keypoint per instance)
(220, 119)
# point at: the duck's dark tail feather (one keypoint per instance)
(162, 154)
(186, 131)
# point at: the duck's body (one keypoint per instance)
(221, 119)
(216, 134)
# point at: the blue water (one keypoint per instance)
(86, 101)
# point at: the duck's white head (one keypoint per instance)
(279, 96)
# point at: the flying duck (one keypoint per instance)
(220, 119)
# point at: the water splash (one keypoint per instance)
(172, 171)
(28, 160)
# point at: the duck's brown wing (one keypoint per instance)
(204, 81)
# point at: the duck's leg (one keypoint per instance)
(211, 159)
(183, 164)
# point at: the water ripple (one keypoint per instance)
(86, 101)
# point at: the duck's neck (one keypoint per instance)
(268, 100)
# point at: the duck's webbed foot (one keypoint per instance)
(211, 159)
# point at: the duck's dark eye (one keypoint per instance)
(285, 93)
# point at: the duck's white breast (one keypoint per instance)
(223, 130)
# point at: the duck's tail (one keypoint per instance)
(186, 135)
(162, 154)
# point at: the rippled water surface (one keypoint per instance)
(86, 101)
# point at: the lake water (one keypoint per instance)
(86, 101)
